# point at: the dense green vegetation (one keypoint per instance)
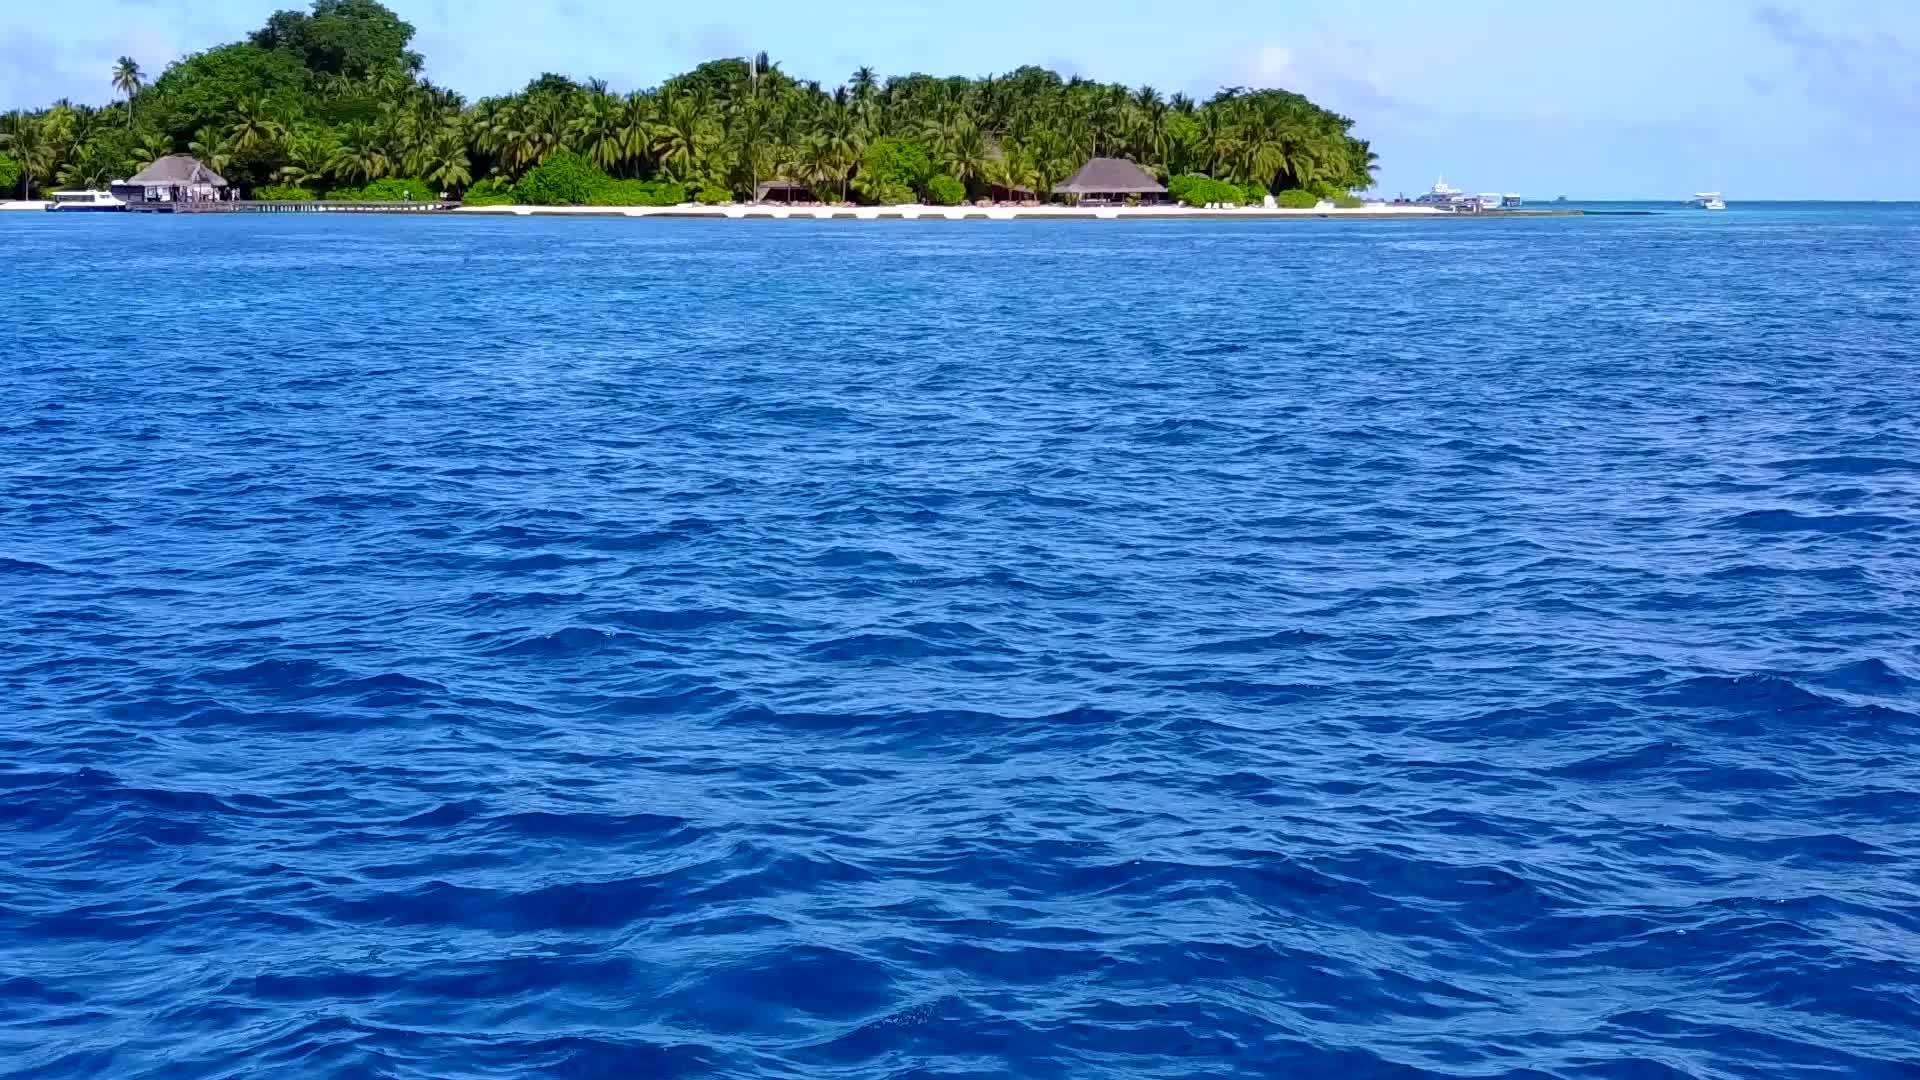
(1195, 190)
(388, 189)
(332, 100)
(284, 193)
(944, 190)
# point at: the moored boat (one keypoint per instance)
(1707, 200)
(1510, 201)
(1441, 194)
(83, 202)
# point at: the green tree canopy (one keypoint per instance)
(354, 38)
(898, 162)
(207, 87)
(332, 99)
(565, 179)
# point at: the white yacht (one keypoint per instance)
(80, 202)
(1442, 194)
(1510, 201)
(1489, 200)
(1707, 200)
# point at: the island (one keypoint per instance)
(330, 106)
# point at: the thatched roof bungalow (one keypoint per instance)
(174, 178)
(788, 191)
(1111, 178)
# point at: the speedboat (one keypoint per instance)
(1510, 201)
(1707, 200)
(1489, 200)
(83, 202)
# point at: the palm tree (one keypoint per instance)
(752, 119)
(447, 165)
(94, 168)
(1365, 162)
(61, 129)
(866, 99)
(933, 136)
(1052, 156)
(208, 146)
(599, 132)
(1013, 169)
(254, 127)
(818, 163)
(1217, 140)
(152, 148)
(636, 127)
(990, 103)
(683, 137)
(758, 69)
(541, 129)
(842, 139)
(966, 151)
(127, 79)
(1259, 146)
(485, 126)
(308, 152)
(360, 155)
(748, 129)
(25, 138)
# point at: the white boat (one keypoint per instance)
(1442, 194)
(1707, 200)
(1510, 201)
(1489, 200)
(83, 202)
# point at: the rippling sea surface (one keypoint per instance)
(488, 648)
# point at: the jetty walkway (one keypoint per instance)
(245, 206)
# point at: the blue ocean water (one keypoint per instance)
(492, 648)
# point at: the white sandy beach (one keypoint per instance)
(913, 212)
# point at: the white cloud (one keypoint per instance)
(1341, 73)
(1870, 80)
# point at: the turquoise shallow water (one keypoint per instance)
(462, 648)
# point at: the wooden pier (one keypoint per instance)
(246, 206)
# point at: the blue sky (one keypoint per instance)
(1626, 98)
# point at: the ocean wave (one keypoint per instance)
(1791, 521)
(612, 680)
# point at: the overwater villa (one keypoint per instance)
(176, 178)
(1107, 181)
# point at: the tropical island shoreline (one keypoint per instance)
(928, 212)
(919, 212)
(332, 105)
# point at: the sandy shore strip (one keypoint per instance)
(954, 213)
(993, 213)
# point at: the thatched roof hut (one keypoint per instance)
(174, 178)
(178, 170)
(786, 190)
(1110, 177)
